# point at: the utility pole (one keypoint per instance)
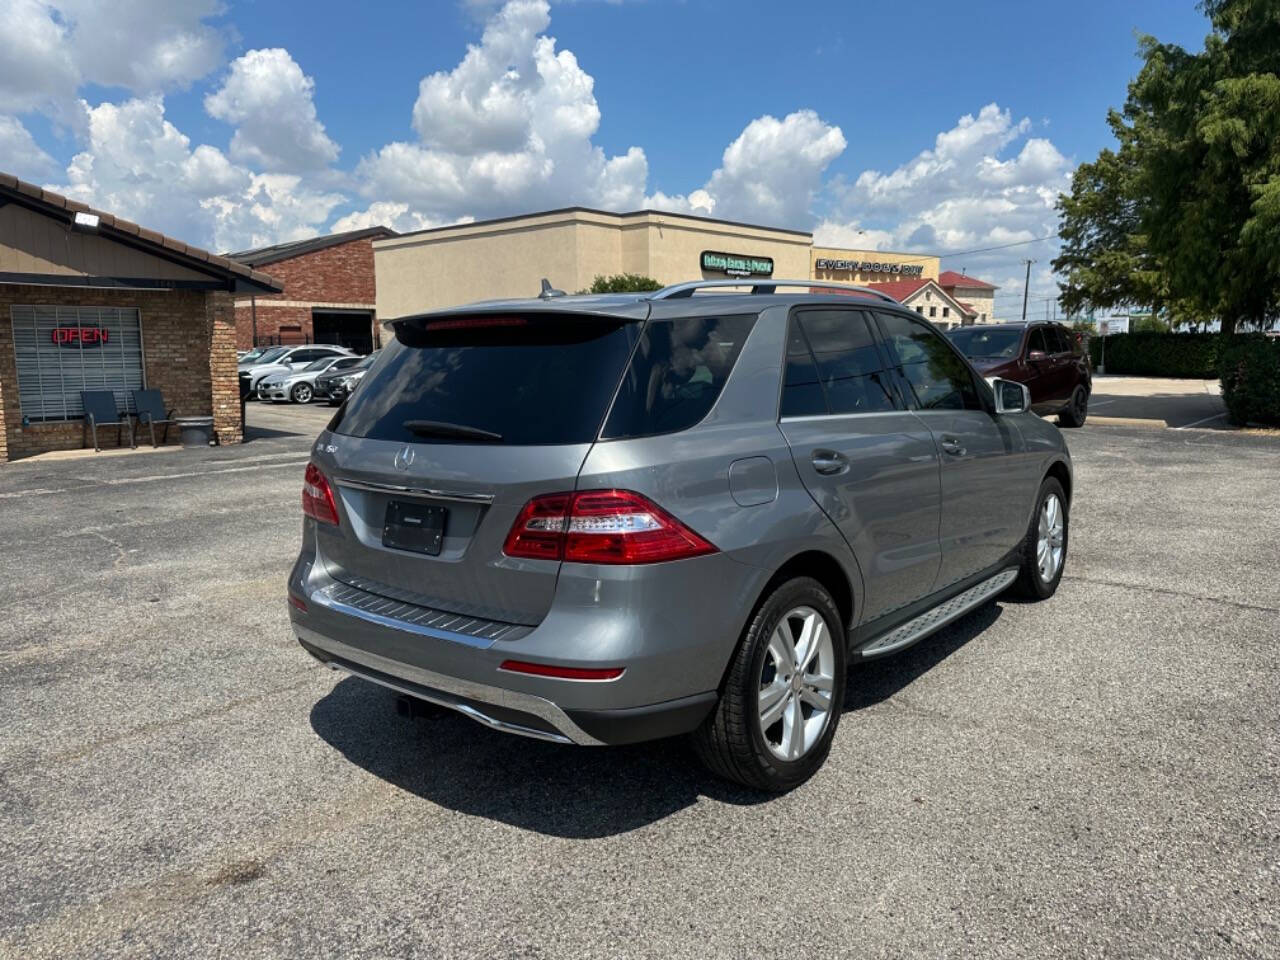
(1026, 288)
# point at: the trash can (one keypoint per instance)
(196, 431)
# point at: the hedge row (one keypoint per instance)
(1192, 355)
(1249, 366)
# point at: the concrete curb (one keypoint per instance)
(1128, 422)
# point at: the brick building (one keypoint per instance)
(328, 294)
(92, 302)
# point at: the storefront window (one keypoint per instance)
(63, 350)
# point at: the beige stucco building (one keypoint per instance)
(447, 266)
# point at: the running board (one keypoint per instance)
(935, 618)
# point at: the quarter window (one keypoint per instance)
(802, 394)
(938, 377)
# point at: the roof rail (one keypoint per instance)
(764, 286)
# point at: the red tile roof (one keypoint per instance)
(900, 289)
(950, 278)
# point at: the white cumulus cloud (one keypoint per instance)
(976, 188)
(268, 98)
(49, 49)
(508, 129)
(23, 157)
(137, 164)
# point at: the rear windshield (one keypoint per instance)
(676, 374)
(525, 380)
(979, 343)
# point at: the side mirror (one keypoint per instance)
(1011, 397)
(1036, 355)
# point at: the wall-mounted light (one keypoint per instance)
(85, 222)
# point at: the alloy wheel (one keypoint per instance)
(1051, 538)
(302, 393)
(797, 678)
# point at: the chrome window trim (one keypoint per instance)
(428, 493)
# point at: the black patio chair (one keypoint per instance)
(100, 411)
(149, 405)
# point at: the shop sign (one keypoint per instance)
(737, 264)
(80, 336)
(870, 266)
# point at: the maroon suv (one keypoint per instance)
(1044, 356)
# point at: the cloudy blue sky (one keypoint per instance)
(937, 127)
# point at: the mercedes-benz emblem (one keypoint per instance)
(404, 457)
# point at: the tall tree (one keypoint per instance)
(1187, 211)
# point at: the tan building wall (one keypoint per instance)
(982, 301)
(873, 266)
(449, 266)
(37, 245)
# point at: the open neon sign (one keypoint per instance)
(80, 336)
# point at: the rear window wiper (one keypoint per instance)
(438, 428)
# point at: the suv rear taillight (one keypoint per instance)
(601, 526)
(317, 496)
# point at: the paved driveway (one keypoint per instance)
(1163, 401)
(1096, 775)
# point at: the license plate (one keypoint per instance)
(415, 527)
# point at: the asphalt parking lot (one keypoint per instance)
(1098, 775)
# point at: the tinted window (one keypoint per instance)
(850, 367)
(939, 379)
(676, 374)
(539, 380)
(977, 342)
(1059, 340)
(1036, 341)
(342, 363)
(801, 393)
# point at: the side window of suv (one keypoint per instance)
(849, 366)
(937, 376)
(1036, 341)
(802, 394)
(1059, 339)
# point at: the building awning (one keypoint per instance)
(199, 268)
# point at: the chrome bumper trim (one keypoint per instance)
(539, 707)
(324, 598)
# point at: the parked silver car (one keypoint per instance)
(282, 360)
(605, 519)
(299, 386)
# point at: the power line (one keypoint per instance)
(1003, 246)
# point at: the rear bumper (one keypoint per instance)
(669, 679)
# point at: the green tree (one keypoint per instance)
(1185, 216)
(623, 283)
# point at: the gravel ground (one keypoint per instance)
(1098, 775)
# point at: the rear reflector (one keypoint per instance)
(317, 497)
(297, 602)
(563, 673)
(601, 526)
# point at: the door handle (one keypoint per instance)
(829, 462)
(952, 446)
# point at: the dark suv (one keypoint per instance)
(1044, 356)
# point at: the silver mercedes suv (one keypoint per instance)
(606, 519)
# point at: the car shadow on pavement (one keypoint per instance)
(564, 791)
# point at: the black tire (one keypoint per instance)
(1075, 412)
(301, 393)
(730, 741)
(1030, 583)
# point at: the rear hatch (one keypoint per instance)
(463, 420)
